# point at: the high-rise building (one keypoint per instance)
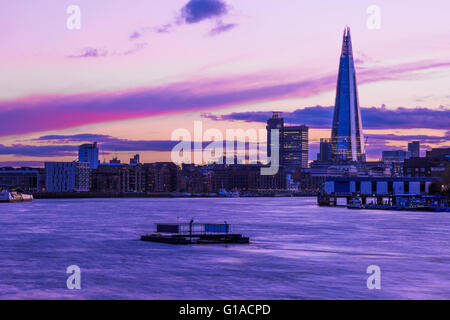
(414, 148)
(325, 150)
(89, 153)
(293, 142)
(347, 133)
(115, 160)
(276, 122)
(439, 153)
(294, 153)
(67, 176)
(396, 156)
(135, 160)
(434, 164)
(29, 179)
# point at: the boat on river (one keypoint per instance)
(14, 195)
(355, 204)
(228, 194)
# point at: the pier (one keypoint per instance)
(195, 233)
(378, 191)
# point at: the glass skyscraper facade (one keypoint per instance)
(293, 142)
(396, 156)
(414, 148)
(347, 134)
(276, 122)
(295, 147)
(325, 150)
(89, 153)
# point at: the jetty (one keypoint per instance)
(391, 193)
(195, 233)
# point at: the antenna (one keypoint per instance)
(103, 156)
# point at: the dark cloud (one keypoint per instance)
(376, 146)
(99, 53)
(63, 145)
(82, 137)
(67, 145)
(110, 143)
(59, 112)
(137, 47)
(21, 163)
(135, 35)
(361, 59)
(164, 29)
(427, 139)
(373, 118)
(90, 53)
(198, 10)
(21, 150)
(220, 28)
(377, 143)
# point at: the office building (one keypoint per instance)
(67, 176)
(414, 149)
(31, 180)
(435, 164)
(293, 143)
(135, 160)
(396, 156)
(325, 154)
(347, 132)
(276, 122)
(89, 153)
(294, 153)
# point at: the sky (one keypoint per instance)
(134, 72)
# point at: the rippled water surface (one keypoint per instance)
(298, 251)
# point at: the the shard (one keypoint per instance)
(347, 135)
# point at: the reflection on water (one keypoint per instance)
(298, 251)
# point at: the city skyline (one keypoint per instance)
(241, 152)
(173, 64)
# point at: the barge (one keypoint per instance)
(195, 233)
(17, 195)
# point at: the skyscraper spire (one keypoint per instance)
(347, 135)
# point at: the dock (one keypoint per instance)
(195, 233)
(379, 190)
(388, 193)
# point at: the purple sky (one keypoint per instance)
(136, 71)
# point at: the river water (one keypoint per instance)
(298, 251)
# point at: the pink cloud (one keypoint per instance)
(55, 112)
